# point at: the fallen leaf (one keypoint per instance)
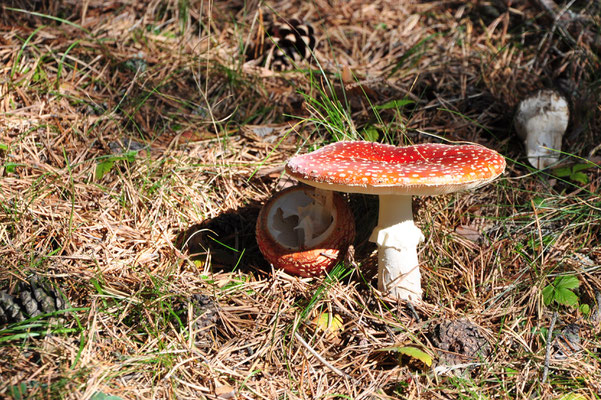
(225, 392)
(412, 352)
(469, 233)
(331, 324)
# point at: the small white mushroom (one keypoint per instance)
(540, 121)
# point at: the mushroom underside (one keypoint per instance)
(305, 231)
(299, 221)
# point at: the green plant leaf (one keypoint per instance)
(562, 172)
(412, 352)
(561, 292)
(572, 396)
(103, 167)
(371, 134)
(539, 201)
(10, 167)
(394, 104)
(130, 156)
(18, 391)
(104, 396)
(3, 147)
(585, 309)
(579, 177)
(548, 294)
(565, 297)
(582, 167)
(566, 282)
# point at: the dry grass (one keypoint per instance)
(129, 247)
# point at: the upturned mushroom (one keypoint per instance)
(541, 121)
(305, 231)
(395, 174)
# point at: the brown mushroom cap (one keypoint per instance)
(313, 260)
(376, 168)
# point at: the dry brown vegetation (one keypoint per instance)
(161, 310)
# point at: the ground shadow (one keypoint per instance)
(228, 241)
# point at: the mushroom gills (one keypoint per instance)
(299, 220)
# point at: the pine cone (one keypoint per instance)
(284, 44)
(204, 311)
(31, 299)
(460, 342)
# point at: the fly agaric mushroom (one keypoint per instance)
(540, 121)
(305, 231)
(395, 174)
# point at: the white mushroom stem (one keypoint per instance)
(397, 238)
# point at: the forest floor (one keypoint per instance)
(139, 140)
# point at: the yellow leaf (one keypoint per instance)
(572, 396)
(329, 323)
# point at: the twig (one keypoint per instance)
(320, 358)
(548, 350)
(411, 308)
(549, 6)
(596, 315)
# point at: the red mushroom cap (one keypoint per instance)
(376, 168)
